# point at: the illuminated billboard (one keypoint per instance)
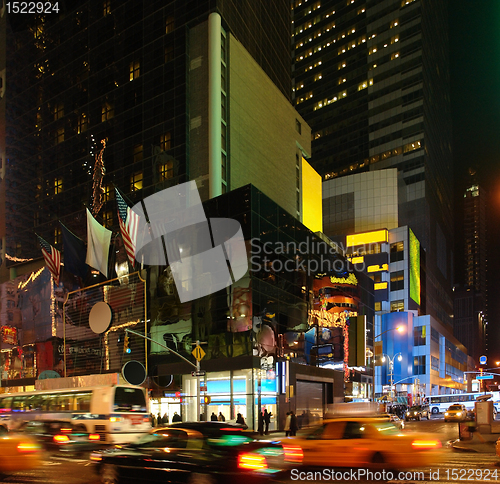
(312, 199)
(414, 256)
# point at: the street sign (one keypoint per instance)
(482, 360)
(198, 353)
(484, 377)
(198, 373)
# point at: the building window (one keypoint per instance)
(169, 53)
(166, 171)
(106, 8)
(58, 186)
(57, 236)
(137, 153)
(419, 365)
(58, 111)
(397, 251)
(83, 123)
(134, 70)
(136, 181)
(419, 336)
(107, 112)
(298, 126)
(109, 193)
(59, 135)
(397, 280)
(397, 306)
(107, 218)
(166, 141)
(378, 306)
(169, 24)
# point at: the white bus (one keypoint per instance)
(118, 413)
(441, 403)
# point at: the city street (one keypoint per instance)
(455, 467)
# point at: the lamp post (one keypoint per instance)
(391, 365)
(399, 329)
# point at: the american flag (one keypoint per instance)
(52, 259)
(129, 223)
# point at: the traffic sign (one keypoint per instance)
(198, 373)
(198, 353)
(484, 377)
(482, 360)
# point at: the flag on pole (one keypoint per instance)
(52, 259)
(74, 253)
(98, 243)
(129, 223)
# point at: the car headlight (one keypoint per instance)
(459, 413)
(445, 414)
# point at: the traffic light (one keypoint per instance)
(207, 400)
(126, 348)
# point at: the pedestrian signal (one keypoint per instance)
(207, 400)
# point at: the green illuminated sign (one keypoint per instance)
(414, 268)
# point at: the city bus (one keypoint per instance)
(441, 403)
(118, 413)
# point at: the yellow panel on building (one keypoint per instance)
(312, 202)
(367, 238)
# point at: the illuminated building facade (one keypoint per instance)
(371, 79)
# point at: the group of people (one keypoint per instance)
(157, 420)
(220, 418)
(291, 426)
(264, 421)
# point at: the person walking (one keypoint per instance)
(260, 421)
(293, 424)
(287, 423)
(176, 418)
(267, 420)
(159, 421)
(221, 417)
(213, 417)
(240, 420)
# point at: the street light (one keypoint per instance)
(391, 365)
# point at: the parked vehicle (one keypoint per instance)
(417, 412)
(196, 452)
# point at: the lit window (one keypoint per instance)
(109, 193)
(107, 218)
(59, 135)
(83, 123)
(107, 112)
(165, 141)
(134, 70)
(57, 236)
(136, 181)
(169, 25)
(394, 55)
(106, 7)
(58, 111)
(166, 171)
(58, 185)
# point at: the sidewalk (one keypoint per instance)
(480, 443)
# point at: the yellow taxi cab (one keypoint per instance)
(368, 442)
(19, 453)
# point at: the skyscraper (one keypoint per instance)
(371, 79)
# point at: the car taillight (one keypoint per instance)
(27, 447)
(293, 453)
(65, 430)
(60, 439)
(426, 444)
(252, 462)
(94, 437)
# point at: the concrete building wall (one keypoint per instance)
(264, 136)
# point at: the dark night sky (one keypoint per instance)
(475, 82)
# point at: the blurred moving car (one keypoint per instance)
(19, 452)
(456, 413)
(367, 442)
(59, 436)
(196, 452)
(418, 412)
(396, 421)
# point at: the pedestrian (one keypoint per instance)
(267, 420)
(240, 420)
(153, 420)
(287, 423)
(260, 426)
(159, 420)
(221, 417)
(165, 419)
(176, 418)
(293, 424)
(213, 417)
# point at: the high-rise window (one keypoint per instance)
(166, 171)
(59, 135)
(58, 111)
(134, 70)
(137, 153)
(136, 181)
(169, 53)
(58, 185)
(109, 192)
(169, 24)
(166, 141)
(106, 8)
(107, 112)
(83, 123)
(57, 236)
(107, 218)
